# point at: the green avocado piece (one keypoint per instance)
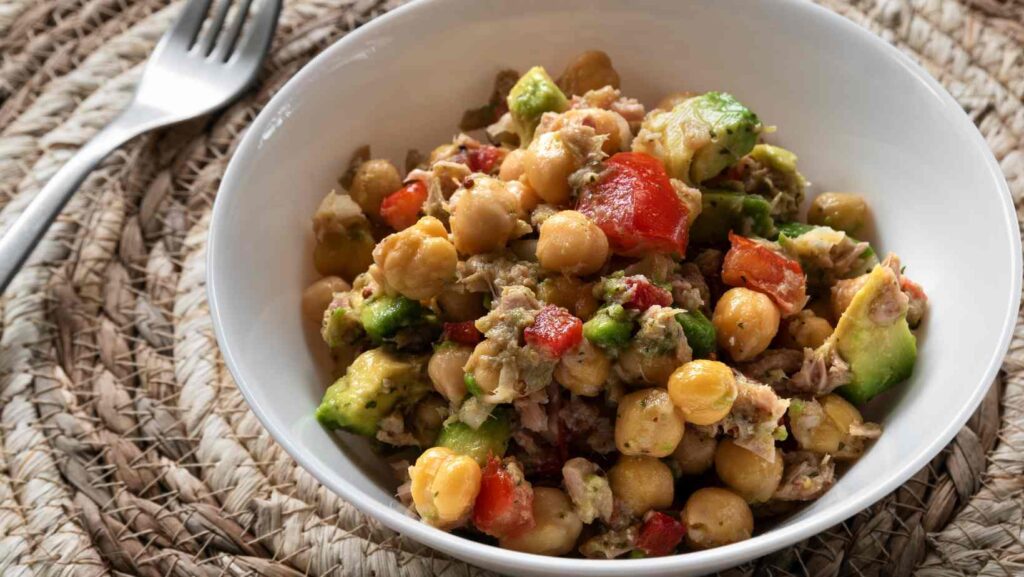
(533, 95)
(375, 384)
(383, 316)
(700, 333)
(733, 129)
(610, 327)
(491, 438)
(472, 387)
(722, 211)
(880, 355)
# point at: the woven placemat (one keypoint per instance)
(125, 448)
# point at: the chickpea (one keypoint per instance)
(696, 452)
(642, 484)
(583, 370)
(428, 418)
(374, 180)
(571, 244)
(526, 198)
(669, 102)
(484, 216)
(748, 475)
(647, 423)
(512, 168)
(444, 486)
(604, 122)
(569, 293)
(483, 364)
(640, 368)
(832, 432)
(347, 254)
(556, 525)
(714, 517)
(318, 296)
(419, 261)
(446, 371)
(590, 71)
(746, 322)
(458, 305)
(548, 163)
(839, 210)
(806, 330)
(703, 391)
(843, 292)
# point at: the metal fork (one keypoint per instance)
(192, 72)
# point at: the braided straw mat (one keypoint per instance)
(125, 448)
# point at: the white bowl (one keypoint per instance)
(861, 116)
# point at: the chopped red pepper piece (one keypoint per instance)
(504, 505)
(646, 294)
(913, 290)
(660, 535)
(401, 208)
(554, 330)
(464, 333)
(636, 206)
(757, 267)
(485, 159)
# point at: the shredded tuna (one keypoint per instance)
(589, 489)
(532, 413)
(806, 476)
(866, 430)
(823, 371)
(754, 417)
(391, 430)
(583, 420)
(772, 366)
(491, 273)
(610, 544)
(690, 291)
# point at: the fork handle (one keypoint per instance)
(21, 237)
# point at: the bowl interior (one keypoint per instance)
(859, 116)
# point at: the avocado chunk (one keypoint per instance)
(534, 94)
(609, 328)
(873, 337)
(384, 316)
(699, 137)
(375, 384)
(491, 438)
(700, 333)
(722, 211)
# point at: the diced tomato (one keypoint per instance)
(485, 159)
(401, 208)
(635, 205)
(757, 267)
(646, 294)
(504, 507)
(660, 535)
(554, 330)
(464, 333)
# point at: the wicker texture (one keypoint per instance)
(125, 448)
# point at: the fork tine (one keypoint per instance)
(189, 23)
(257, 41)
(227, 42)
(209, 38)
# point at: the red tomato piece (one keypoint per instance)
(660, 535)
(554, 330)
(757, 267)
(464, 333)
(504, 505)
(913, 290)
(636, 206)
(646, 294)
(401, 208)
(484, 159)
